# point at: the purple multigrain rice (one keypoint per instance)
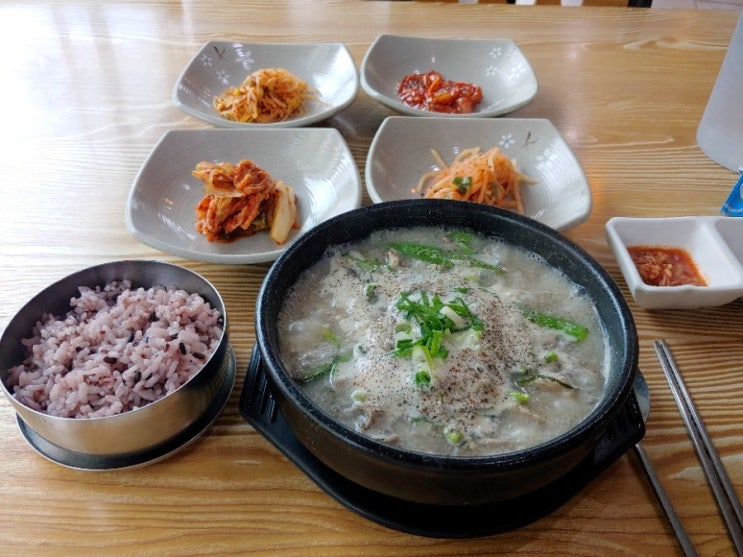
(117, 349)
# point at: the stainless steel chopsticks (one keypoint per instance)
(642, 394)
(678, 528)
(722, 488)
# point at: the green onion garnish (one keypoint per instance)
(435, 318)
(520, 397)
(331, 337)
(454, 436)
(550, 358)
(440, 256)
(463, 184)
(368, 265)
(422, 379)
(370, 292)
(571, 328)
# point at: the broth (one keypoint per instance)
(444, 341)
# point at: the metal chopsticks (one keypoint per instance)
(678, 528)
(722, 488)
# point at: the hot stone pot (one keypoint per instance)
(426, 478)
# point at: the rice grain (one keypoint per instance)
(116, 350)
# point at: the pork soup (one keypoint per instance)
(444, 341)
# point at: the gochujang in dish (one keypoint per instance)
(666, 266)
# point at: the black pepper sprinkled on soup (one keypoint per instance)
(444, 341)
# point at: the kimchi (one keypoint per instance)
(433, 92)
(240, 200)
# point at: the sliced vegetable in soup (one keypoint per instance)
(445, 342)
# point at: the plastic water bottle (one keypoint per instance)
(720, 132)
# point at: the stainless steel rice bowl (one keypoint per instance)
(139, 435)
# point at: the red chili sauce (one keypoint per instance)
(666, 266)
(431, 91)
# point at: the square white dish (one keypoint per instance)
(315, 162)
(498, 66)
(714, 243)
(328, 69)
(400, 154)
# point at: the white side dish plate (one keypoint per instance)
(497, 66)
(315, 162)
(401, 152)
(328, 69)
(715, 244)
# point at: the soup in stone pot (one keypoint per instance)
(444, 341)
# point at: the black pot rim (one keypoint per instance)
(592, 426)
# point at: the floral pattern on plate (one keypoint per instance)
(328, 69)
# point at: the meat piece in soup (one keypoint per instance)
(444, 342)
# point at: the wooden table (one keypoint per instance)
(86, 95)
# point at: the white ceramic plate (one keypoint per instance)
(498, 66)
(327, 68)
(400, 154)
(315, 162)
(715, 244)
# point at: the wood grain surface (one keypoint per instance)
(87, 94)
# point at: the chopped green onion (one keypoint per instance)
(421, 355)
(434, 318)
(441, 256)
(331, 337)
(558, 381)
(463, 184)
(525, 377)
(403, 347)
(454, 436)
(436, 338)
(358, 395)
(423, 252)
(571, 328)
(528, 377)
(520, 397)
(551, 357)
(458, 320)
(327, 368)
(483, 265)
(319, 371)
(420, 419)
(422, 379)
(463, 240)
(459, 306)
(368, 265)
(370, 292)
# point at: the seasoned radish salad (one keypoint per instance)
(444, 341)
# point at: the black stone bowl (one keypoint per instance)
(432, 479)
